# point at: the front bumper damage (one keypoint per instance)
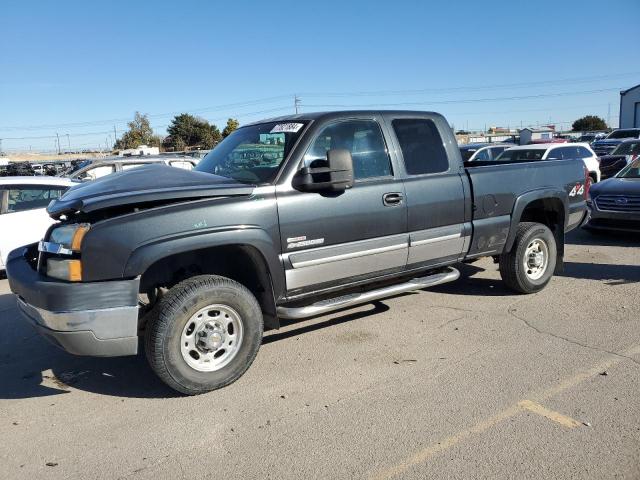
(93, 318)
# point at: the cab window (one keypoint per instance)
(421, 145)
(363, 138)
(482, 156)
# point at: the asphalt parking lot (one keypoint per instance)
(462, 381)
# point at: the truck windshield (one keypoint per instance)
(627, 148)
(632, 133)
(630, 171)
(253, 154)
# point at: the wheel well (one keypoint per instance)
(242, 263)
(594, 176)
(549, 212)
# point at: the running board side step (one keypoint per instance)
(352, 299)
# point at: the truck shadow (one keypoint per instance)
(468, 284)
(580, 236)
(277, 335)
(608, 274)
(31, 367)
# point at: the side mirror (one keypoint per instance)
(336, 175)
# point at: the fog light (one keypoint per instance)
(70, 270)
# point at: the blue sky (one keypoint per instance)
(78, 68)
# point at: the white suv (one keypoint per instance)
(554, 151)
(23, 214)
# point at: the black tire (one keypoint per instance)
(512, 267)
(169, 318)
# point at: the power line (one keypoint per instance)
(331, 94)
(468, 100)
(157, 115)
(104, 132)
(471, 88)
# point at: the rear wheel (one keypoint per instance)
(203, 334)
(530, 264)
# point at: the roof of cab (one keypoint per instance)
(339, 114)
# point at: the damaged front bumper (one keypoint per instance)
(96, 319)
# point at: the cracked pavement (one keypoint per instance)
(464, 380)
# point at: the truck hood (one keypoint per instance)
(149, 183)
(616, 186)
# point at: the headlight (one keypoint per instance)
(70, 270)
(69, 236)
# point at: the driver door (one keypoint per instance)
(330, 239)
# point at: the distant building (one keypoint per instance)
(527, 135)
(630, 108)
(140, 151)
(501, 130)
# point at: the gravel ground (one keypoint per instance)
(465, 380)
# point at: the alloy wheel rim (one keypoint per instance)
(211, 338)
(536, 259)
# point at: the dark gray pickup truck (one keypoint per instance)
(286, 218)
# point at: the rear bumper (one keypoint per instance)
(97, 319)
(578, 216)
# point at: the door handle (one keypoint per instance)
(392, 199)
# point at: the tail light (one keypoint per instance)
(587, 183)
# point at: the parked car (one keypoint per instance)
(197, 154)
(620, 157)
(551, 151)
(93, 169)
(286, 218)
(615, 138)
(614, 204)
(481, 151)
(23, 215)
(589, 137)
(17, 169)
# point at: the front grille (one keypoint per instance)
(619, 203)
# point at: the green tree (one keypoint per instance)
(232, 124)
(139, 133)
(589, 122)
(189, 131)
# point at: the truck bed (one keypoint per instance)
(496, 186)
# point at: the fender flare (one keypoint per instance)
(524, 200)
(256, 238)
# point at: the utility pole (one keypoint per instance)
(609, 115)
(115, 136)
(58, 141)
(296, 103)
(0, 146)
(68, 143)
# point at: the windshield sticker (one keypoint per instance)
(287, 127)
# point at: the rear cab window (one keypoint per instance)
(421, 145)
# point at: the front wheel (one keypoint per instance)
(203, 334)
(530, 264)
